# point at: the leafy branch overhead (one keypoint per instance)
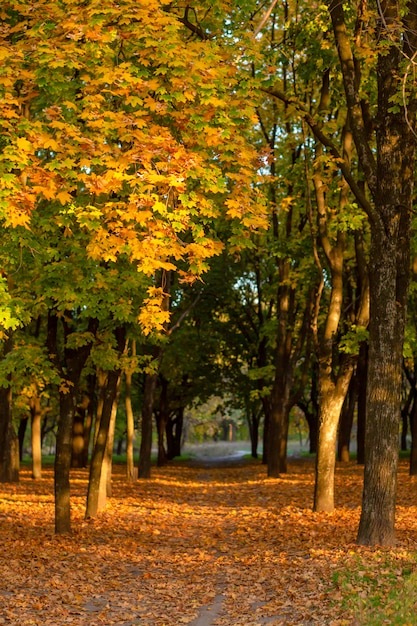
(120, 131)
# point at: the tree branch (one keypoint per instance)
(327, 142)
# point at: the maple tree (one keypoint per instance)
(123, 149)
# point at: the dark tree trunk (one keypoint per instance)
(413, 451)
(389, 272)
(173, 433)
(390, 179)
(144, 468)
(278, 433)
(254, 418)
(162, 418)
(89, 415)
(266, 404)
(361, 374)
(346, 422)
(21, 432)
(77, 455)
(74, 361)
(179, 423)
(406, 411)
(67, 403)
(9, 443)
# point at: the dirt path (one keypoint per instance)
(198, 544)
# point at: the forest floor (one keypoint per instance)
(206, 543)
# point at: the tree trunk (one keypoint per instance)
(130, 428)
(413, 451)
(144, 468)
(9, 443)
(346, 422)
(95, 497)
(36, 423)
(406, 416)
(179, 422)
(266, 404)
(105, 489)
(89, 416)
(74, 361)
(9, 450)
(331, 401)
(278, 433)
(174, 433)
(362, 374)
(389, 272)
(77, 453)
(21, 432)
(67, 403)
(253, 417)
(383, 399)
(162, 418)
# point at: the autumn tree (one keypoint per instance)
(390, 180)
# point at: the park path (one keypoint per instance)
(203, 543)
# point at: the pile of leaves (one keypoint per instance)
(202, 544)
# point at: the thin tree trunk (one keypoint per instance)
(413, 451)
(144, 468)
(36, 423)
(105, 489)
(89, 416)
(346, 422)
(362, 374)
(130, 427)
(9, 443)
(162, 418)
(21, 432)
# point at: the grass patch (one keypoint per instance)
(379, 588)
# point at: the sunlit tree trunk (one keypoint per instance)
(36, 440)
(95, 496)
(130, 427)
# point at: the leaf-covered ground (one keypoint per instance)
(202, 544)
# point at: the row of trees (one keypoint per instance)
(210, 199)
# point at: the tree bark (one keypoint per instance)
(144, 468)
(362, 374)
(36, 423)
(390, 180)
(331, 402)
(130, 427)
(413, 451)
(162, 418)
(89, 416)
(74, 361)
(9, 443)
(346, 422)
(94, 501)
(389, 272)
